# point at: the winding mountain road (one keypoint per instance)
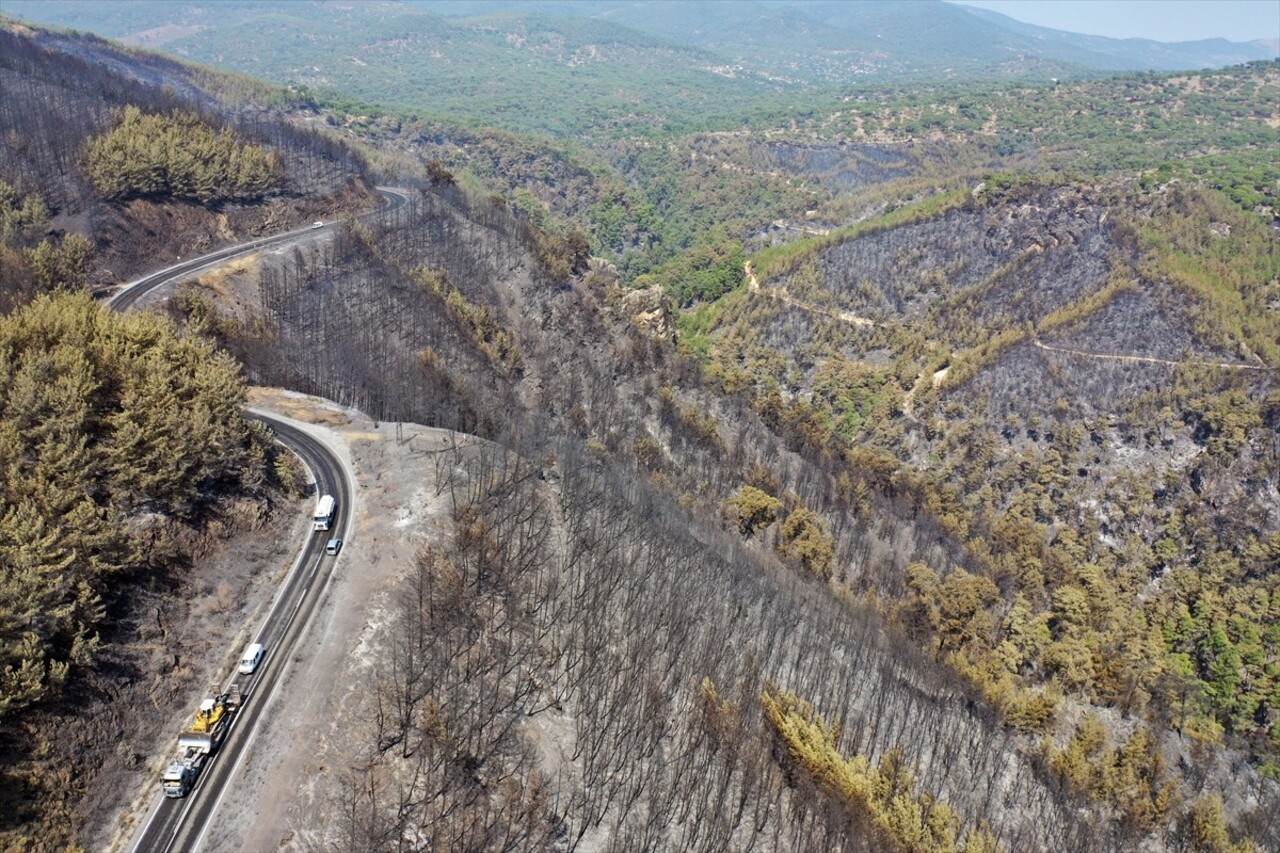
(128, 296)
(180, 824)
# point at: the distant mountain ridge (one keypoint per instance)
(916, 36)
(614, 68)
(521, 71)
(812, 42)
(1147, 54)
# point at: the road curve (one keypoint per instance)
(128, 295)
(179, 824)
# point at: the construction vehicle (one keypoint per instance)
(324, 513)
(201, 740)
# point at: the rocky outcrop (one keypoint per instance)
(650, 309)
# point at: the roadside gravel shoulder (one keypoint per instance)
(297, 756)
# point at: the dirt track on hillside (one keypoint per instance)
(1146, 359)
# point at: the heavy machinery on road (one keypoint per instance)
(199, 742)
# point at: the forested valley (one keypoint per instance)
(904, 478)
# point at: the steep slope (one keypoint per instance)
(452, 303)
(920, 508)
(936, 334)
(61, 92)
(128, 462)
(1074, 393)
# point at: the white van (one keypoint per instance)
(251, 658)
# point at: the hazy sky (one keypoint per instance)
(1162, 20)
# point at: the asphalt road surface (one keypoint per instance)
(128, 296)
(179, 824)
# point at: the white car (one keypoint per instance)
(317, 224)
(251, 658)
(333, 547)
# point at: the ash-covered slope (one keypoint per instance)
(449, 303)
(457, 313)
(1084, 376)
(61, 91)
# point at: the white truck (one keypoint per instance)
(181, 774)
(324, 513)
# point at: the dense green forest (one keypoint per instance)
(177, 155)
(645, 200)
(107, 421)
(615, 68)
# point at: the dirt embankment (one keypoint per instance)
(298, 755)
(141, 235)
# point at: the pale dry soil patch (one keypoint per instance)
(289, 782)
